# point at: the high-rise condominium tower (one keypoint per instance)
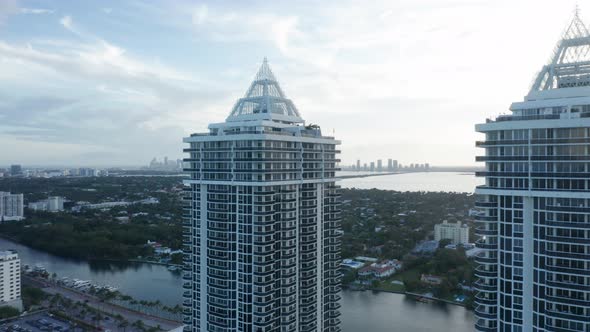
(11, 206)
(262, 228)
(535, 270)
(10, 280)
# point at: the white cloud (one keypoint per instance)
(119, 99)
(452, 59)
(36, 11)
(200, 14)
(385, 75)
(67, 23)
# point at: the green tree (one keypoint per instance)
(443, 290)
(349, 277)
(32, 295)
(411, 284)
(8, 312)
(444, 242)
(123, 324)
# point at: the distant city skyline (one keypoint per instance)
(110, 84)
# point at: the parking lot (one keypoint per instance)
(39, 322)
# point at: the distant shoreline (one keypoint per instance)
(366, 175)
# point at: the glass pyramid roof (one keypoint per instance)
(570, 64)
(265, 100)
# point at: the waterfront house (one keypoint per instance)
(383, 271)
(366, 271)
(380, 270)
(431, 279)
(393, 263)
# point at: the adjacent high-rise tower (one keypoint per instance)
(535, 267)
(262, 224)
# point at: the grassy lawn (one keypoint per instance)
(386, 285)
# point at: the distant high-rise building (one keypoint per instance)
(11, 206)
(16, 170)
(88, 172)
(427, 166)
(55, 203)
(372, 169)
(38, 206)
(389, 165)
(262, 237)
(166, 165)
(358, 165)
(379, 165)
(10, 287)
(395, 166)
(534, 272)
(456, 232)
(51, 204)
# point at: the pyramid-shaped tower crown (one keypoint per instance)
(265, 100)
(569, 65)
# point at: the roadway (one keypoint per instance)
(130, 315)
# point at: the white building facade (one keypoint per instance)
(11, 206)
(534, 272)
(51, 204)
(457, 232)
(10, 287)
(262, 227)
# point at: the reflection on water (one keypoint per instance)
(381, 312)
(98, 266)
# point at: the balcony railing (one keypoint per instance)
(481, 272)
(486, 326)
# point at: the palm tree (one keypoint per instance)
(143, 304)
(123, 324)
(97, 318)
(134, 304)
(54, 299)
(139, 325)
(126, 298)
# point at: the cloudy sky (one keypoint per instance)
(119, 82)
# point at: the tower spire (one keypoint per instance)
(265, 100)
(576, 28)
